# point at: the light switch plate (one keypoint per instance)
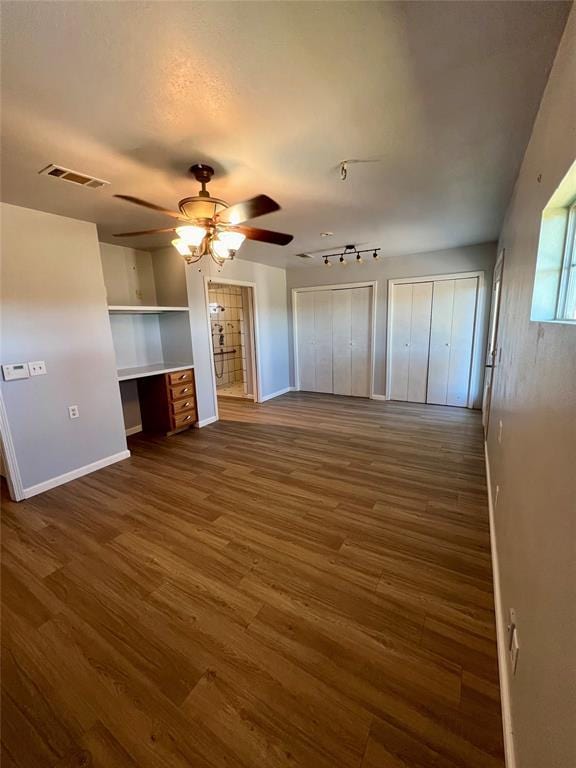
(37, 368)
(15, 371)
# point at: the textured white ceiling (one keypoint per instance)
(274, 95)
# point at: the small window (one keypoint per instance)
(554, 296)
(566, 309)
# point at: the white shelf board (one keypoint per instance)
(117, 309)
(124, 374)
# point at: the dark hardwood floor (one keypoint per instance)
(305, 583)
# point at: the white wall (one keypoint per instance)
(54, 309)
(466, 259)
(534, 395)
(273, 348)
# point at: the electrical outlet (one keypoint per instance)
(37, 368)
(73, 411)
(500, 426)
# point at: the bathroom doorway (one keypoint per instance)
(232, 327)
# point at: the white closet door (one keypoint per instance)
(323, 340)
(360, 341)
(451, 341)
(401, 322)
(306, 341)
(342, 341)
(419, 342)
(440, 335)
(462, 340)
(410, 337)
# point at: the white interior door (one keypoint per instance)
(419, 342)
(451, 341)
(409, 341)
(462, 340)
(399, 357)
(360, 337)
(323, 340)
(306, 341)
(342, 341)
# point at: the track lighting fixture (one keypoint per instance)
(350, 250)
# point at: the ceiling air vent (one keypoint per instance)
(66, 174)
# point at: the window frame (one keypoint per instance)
(567, 289)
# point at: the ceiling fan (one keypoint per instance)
(211, 226)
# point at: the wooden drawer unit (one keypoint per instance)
(168, 402)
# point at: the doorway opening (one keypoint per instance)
(231, 309)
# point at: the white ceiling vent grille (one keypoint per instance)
(74, 177)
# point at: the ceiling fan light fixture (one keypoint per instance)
(191, 235)
(327, 262)
(181, 247)
(343, 261)
(376, 255)
(359, 259)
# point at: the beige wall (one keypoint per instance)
(535, 464)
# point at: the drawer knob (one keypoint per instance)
(186, 405)
(185, 389)
(183, 376)
(187, 417)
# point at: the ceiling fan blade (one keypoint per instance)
(264, 235)
(145, 232)
(249, 209)
(152, 206)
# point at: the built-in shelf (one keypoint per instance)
(138, 310)
(125, 374)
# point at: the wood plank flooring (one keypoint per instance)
(305, 584)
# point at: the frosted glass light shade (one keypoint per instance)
(191, 235)
(181, 247)
(220, 249)
(232, 240)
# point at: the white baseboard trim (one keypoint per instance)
(133, 430)
(205, 422)
(373, 396)
(276, 394)
(501, 635)
(34, 490)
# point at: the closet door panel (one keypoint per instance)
(360, 341)
(419, 342)
(400, 340)
(342, 341)
(306, 341)
(440, 337)
(323, 340)
(463, 319)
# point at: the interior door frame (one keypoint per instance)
(255, 333)
(475, 390)
(373, 284)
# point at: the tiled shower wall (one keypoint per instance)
(231, 364)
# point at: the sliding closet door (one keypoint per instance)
(360, 341)
(451, 341)
(314, 318)
(410, 337)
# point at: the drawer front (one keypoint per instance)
(183, 419)
(186, 404)
(181, 391)
(179, 377)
